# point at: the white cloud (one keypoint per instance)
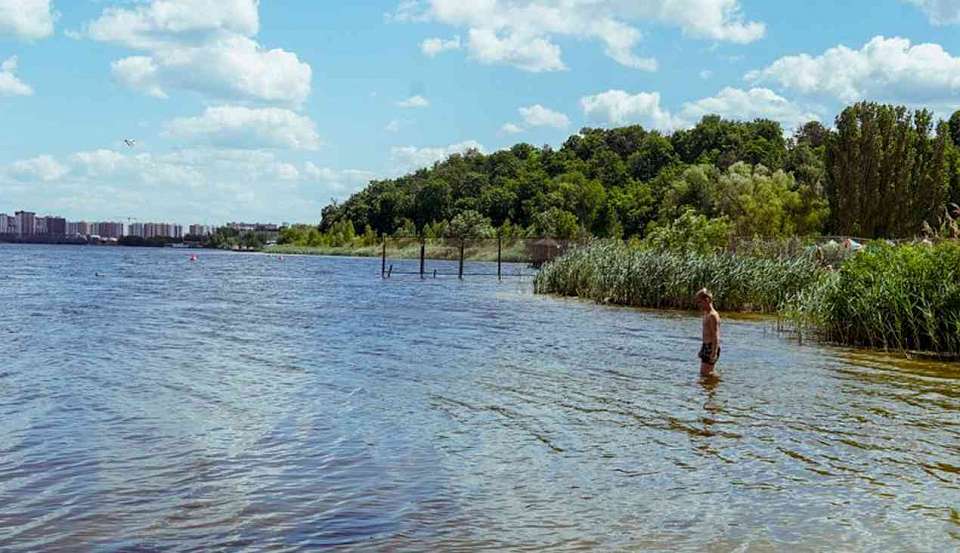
(409, 158)
(884, 69)
(10, 85)
(747, 105)
(539, 116)
(203, 46)
(511, 128)
(433, 46)
(339, 183)
(26, 19)
(521, 33)
(617, 107)
(706, 74)
(43, 168)
(534, 54)
(940, 12)
(414, 102)
(160, 22)
(238, 126)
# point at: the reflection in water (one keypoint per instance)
(238, 403)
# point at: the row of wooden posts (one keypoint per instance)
(387, 272)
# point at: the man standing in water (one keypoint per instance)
(710, 350)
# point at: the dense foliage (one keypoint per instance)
(899, 297)
(883, 172)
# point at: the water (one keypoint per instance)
(244, 403)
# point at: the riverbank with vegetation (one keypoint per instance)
(513, 251)
(902, 298)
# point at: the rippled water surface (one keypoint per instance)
(247, 403)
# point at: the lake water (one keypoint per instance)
(246, 403)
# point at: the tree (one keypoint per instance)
(885, 170)
(955, 128)
(469, 225)
(556, 223)
(654, 153)
(690, 232)
(760, 203)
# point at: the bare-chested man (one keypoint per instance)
(710, 350)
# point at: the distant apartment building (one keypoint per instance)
(8, 224)
(26, 223)
(79, 228)
(108, 229)
(155, 230)
(39, 225)
(200, 230)
(55, 225)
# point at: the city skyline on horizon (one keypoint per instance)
(193, 110)
(135, 220)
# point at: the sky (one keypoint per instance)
(208, 111)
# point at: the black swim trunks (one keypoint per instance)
(707, 356)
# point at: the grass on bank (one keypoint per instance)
(514, 251)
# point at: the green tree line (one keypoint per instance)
(882, 171)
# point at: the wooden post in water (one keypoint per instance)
(499, 252)
(383, 260)
(461, 259)
(423, 252)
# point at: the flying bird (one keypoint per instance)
(130, 142)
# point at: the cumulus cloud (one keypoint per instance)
(204, 46)
(26, 19)
(539, 116)
(10, 85)
(889, 69)
(414, 102)
(160, 22)
(42, 168)
(617, 107)
(339, 183)
(940, 12)
(746, 105)
(433, 46)
(238, 126)
(409, 158)
(511, 128)
(522, 33)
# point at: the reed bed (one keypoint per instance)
(903, 298)
(613, 272)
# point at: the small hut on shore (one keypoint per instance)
(543, 250)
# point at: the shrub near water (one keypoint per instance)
(612, 272)
(905, 297)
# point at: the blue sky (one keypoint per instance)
(266, 110)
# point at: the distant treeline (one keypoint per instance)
(883, 171)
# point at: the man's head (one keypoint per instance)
(704, 299)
